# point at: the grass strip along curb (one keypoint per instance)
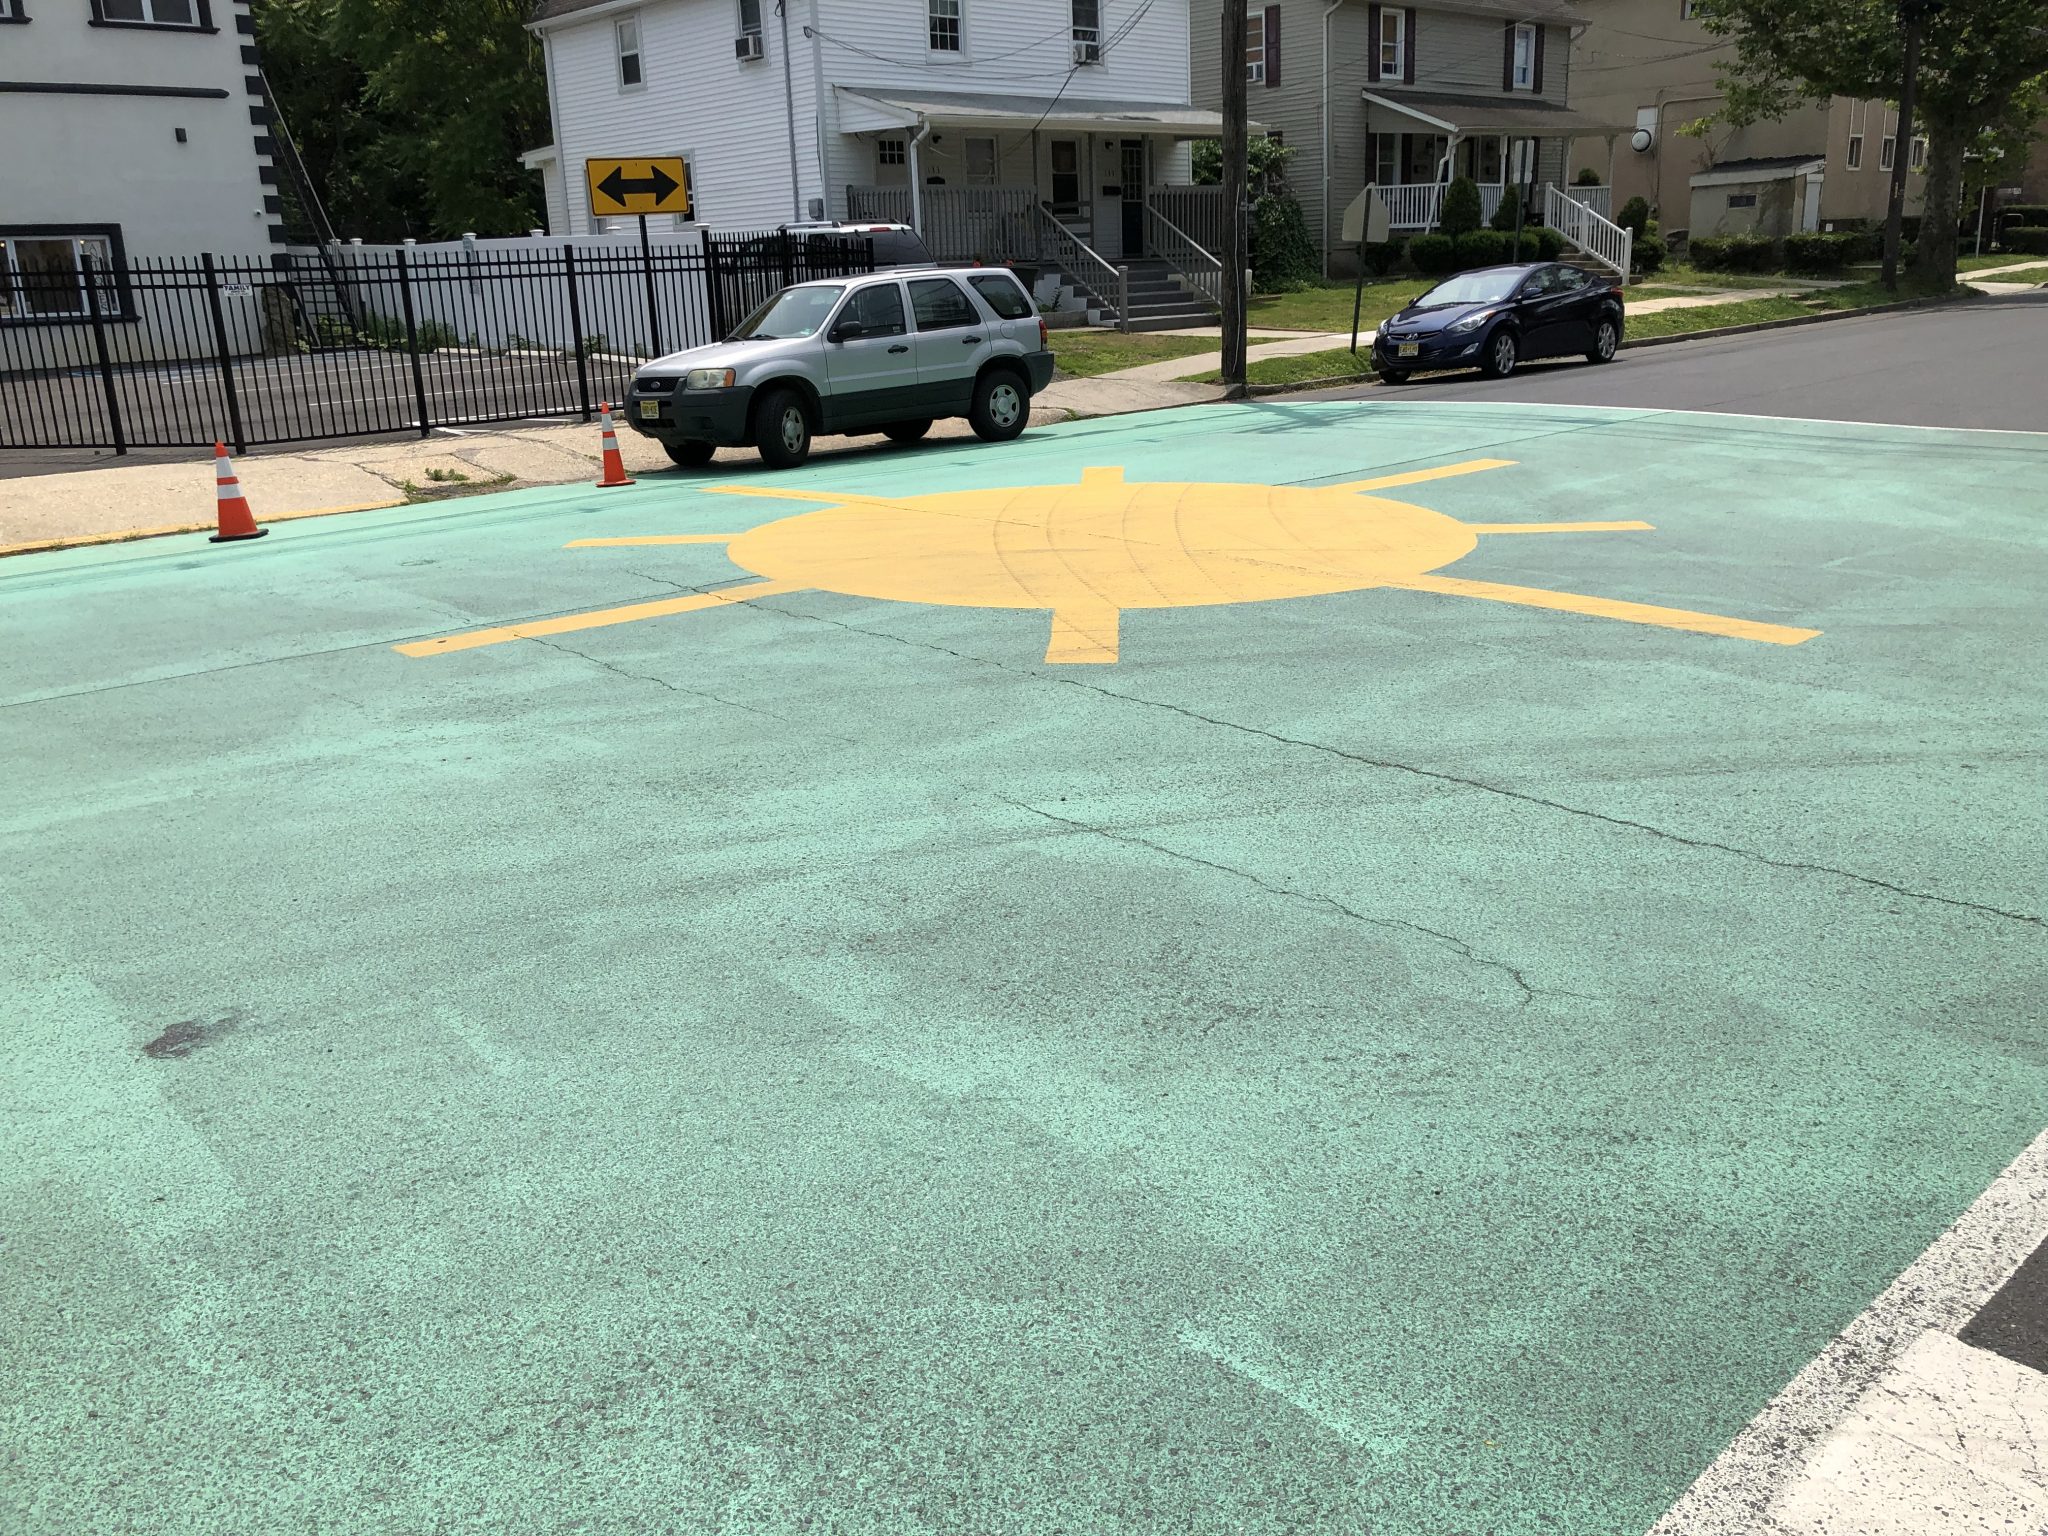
(1337, 381)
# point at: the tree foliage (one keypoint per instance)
(1460, 214)
(1283, 253)
(410, 115)
(1981, 68)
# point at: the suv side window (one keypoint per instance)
(1002, 295)
(940, 305)
(879, 309)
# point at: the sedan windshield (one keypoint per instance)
(1472, 288)
(791, 313)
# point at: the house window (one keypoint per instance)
(1855, 151)
(889, 152)
(1919, 153)
(11, 10)
(750, 18)
(154, 13)
(631, 74)
(981, 162)
(942, 19)
(1255, 48)
(1066, 176)
(1386, 167)
(1087, 25)
(1887, 153)
(1393, 43)
(1525, 58)
(53, 273)
(1741, 199)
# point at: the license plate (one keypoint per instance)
(650, 410)
(1408, 349)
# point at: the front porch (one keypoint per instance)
(1095, 190)
(1417, 143)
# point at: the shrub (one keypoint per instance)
(1818, 254)
(1650, 252)
(1587, 177)
(1461, 208)
(2027, 240)
(1283, 255)
(1549, 243)
(1379, 257)
(1433, 255)
(1635, 215)
(1513, 207)
(1482, 248)
(1733, 253)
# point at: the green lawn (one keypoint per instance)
(1676, 275)
(1082, 354)
(1328, 307)
(1340, 362)
(1998, 259)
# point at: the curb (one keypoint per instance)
(1342, 379)
(130, 535)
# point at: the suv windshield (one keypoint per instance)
(791, 313)
(1473, 288)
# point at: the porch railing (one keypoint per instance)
(1610, 244)
(1411, 205)
(992, 224)
(1196, 211)
(1080, 261)
(1198, 270)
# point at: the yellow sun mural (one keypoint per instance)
(1088, 552)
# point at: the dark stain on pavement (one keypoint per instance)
(189, 1035)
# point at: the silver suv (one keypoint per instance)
(891, 352)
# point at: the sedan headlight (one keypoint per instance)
(1470, 322)
(708, 378)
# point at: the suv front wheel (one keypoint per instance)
(1002, 406)
(782, 429)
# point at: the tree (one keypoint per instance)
(1461, 207)
(1981, 64)
(410, 114)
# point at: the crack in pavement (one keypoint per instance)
(1310, 898)
(648, 677)
(1439, 776)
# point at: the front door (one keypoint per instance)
(1133, 178)
(874, 374)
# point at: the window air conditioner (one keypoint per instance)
(1087, 53)
(748, 46)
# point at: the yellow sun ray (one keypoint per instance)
(570, 623)
(652, 538)
(1609, 608)
(1421, 476)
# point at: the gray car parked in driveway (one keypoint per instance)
(891, 352)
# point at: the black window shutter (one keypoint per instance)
(1536, 83)
(1507, 59)
(1372, 53)
(1408, 49)
(1272, 46)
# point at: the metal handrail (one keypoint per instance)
(1204, 275)
(1119, 277)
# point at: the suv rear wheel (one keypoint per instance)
(782, 429)
(1002, 406)
(906, 431)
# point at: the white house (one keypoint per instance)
(133, 128)
(999, 127)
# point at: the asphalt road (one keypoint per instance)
(1979, 364)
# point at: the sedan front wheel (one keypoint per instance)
(1502, 353)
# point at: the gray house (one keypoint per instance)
(1405, 97)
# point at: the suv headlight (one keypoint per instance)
(708, 378)
(1470, 322)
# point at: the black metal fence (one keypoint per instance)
(343, 342)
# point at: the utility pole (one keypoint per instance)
(1911, 14)
(1236, 202)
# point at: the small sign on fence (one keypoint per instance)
(622, 188)
(236, 288)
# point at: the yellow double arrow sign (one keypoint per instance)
(620, 188)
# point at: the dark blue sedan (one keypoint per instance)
(1496, 318)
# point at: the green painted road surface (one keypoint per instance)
(1387, 1061)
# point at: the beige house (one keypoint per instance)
(1406, 97)
(1651, 65)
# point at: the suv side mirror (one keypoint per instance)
(848, 330)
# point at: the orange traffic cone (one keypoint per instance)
(614, 463)
(236, 520)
